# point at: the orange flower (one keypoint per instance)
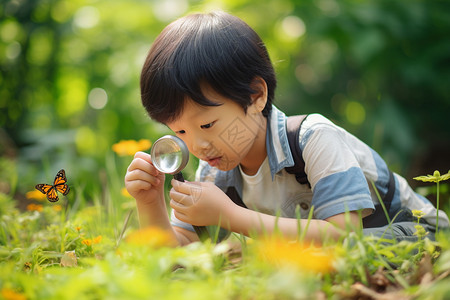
(153, 237)
(130, 147)
(36, 195)
(35, 207)
(281, 252)
(87, 242)
(78, 228)
(57, 207)
(97, 239)
(10, 294)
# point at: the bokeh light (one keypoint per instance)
(98, 98)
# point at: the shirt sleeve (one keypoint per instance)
(174, 221)
(337, 180)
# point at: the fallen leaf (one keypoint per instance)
(69, 259)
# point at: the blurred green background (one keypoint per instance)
(69, 82)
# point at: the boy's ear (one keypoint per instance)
(259, 98)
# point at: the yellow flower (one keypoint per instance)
(418, 213)
(97, 239)
(435, 178)
(35, 207)
(9, 294)
(78, 228)
(87, 242)
(130, 147)
(281, 252)
(125, 193)
(36, 195)
(153, 237)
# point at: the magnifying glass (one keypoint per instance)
(170, 155)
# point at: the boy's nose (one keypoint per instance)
(200, 144)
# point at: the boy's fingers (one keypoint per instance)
(142, 155)
(180, 198)
(139, 175)
(138, 185)
(184, 187)
(141, 163)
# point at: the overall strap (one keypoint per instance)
(293, 130)
(293, 125)
(378, 218)
(234, 196)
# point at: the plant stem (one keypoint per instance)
(437, 206)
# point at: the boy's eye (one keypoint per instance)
(180, 132)
(206, 126)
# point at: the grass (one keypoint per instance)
(90, 248)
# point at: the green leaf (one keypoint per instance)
(427, 178)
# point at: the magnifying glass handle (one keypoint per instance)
(201, 231)
(179, 177)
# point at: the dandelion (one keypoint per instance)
(153, 237)
(35, 207)
(35, 195)
(278, 251)
(10, 294)
(130, 147)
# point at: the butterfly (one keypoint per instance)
(59, 184)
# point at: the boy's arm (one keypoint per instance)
(250, 222)
(190, 201)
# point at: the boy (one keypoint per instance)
(208, 77)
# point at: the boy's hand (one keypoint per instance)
(200, 203)
(143, 181)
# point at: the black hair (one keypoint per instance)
(216, 49)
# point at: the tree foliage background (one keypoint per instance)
(69, 81)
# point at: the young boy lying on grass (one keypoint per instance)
(209, 78)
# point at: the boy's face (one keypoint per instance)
(224, 136)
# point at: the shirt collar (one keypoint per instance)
(277, 143)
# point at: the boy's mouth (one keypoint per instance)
(214, 161)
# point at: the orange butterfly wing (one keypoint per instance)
(63, 189)
(59, 184)
(49, 191)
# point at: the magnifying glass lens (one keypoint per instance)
(170, 154)
(168, 157)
